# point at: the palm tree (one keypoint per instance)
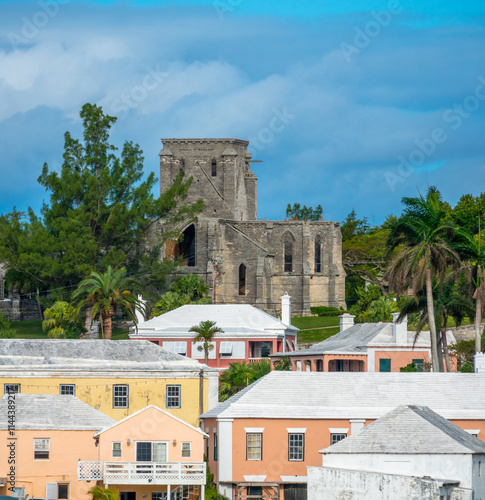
(448, 303)
(106, 292)
(99, 493)
(205, 331)
(422, 235)
(472, 251)
(61, 321)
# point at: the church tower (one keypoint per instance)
(221, 172)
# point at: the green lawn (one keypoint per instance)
(312, 322)
(315, 328)
(314, 336)
(33, 330)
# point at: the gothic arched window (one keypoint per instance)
(242, 279)
(288, 253)
(318, 254)
(185, 249)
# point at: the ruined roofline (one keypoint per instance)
(205, 140)
(264, 221)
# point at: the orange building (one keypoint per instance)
(59, 447)
(366, 347)
(263, 438)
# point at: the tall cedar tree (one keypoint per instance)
(101, 213)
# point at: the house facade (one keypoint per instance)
(249, 334)
(44, 437)
(264, 438)
(245, 260)
(117, 377)
(58, 448)
(367, 347)
(150, 454)
(388, 458)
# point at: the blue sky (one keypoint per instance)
(351, 105)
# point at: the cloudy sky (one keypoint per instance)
(351, 105)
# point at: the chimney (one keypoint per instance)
(346, 321)
(286, 309)
(479, 362)
(399, 330)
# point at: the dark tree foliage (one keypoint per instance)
(296, 212)
(101, 213)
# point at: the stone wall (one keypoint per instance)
(20, 309)
(340, 484)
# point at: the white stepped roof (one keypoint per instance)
(342, 395)
(90, 355)
(410, 430)
(53, 412)
(234, 319)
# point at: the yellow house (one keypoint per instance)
(58, 448)
(117, 377)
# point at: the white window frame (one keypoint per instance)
(120, 450)
(116, 403)
(65, 386)
(251, 448)
(189, 449)
(336, 437)
(38, 447)
(16, 386)
(170, 398)
(225, 348)
(151, 450)
(297, 450)
(180, 348)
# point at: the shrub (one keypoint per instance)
(320, 309)
(6, 332)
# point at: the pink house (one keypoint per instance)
(249, 333)
(366, 347)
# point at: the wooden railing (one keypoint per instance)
(173, 473)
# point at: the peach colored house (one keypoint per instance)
(263, 438)
(150, 454)
(42, 438)
(366, 347)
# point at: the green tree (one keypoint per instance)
(297, 212)
(472, 251)
(240, 375)
(105, 293)
(449, 302)
(381, 309)
(365, 297)
(101, 213)
(353, 226)
(6, 331)
(187, 289)
(99, 493)
(204, 332)
(61, 321)
(421, 237)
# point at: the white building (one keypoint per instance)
(249, 334)
(412, 452)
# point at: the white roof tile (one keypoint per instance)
(430, 434)
(336, 395)
(53, 412)
(91, 355)
(234, 319)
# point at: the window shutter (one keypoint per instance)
(51, 491)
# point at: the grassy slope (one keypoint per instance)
(33, 330)
(315, 328)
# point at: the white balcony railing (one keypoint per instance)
(173, 473)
